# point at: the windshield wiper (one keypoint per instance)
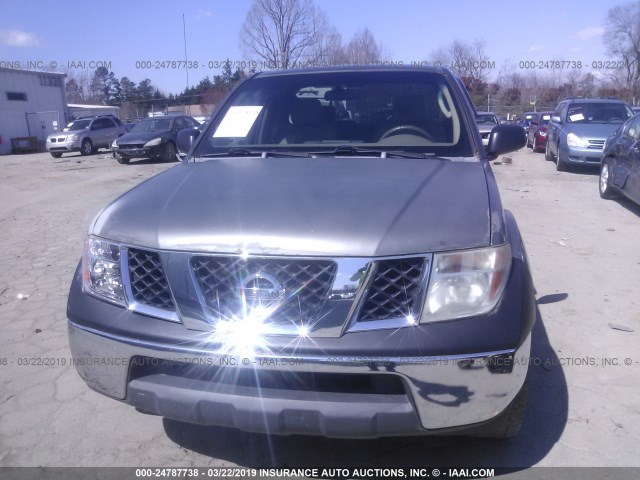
(342, 150)
(346, 150)
(244, 152)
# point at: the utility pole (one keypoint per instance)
(186, 60)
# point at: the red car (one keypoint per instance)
(537, 135)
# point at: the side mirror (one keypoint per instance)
(185, 139)
(505, 139)
(555, 119)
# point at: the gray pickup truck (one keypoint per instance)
(330, 258)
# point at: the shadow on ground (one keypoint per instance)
(543, 424)
(107, 156)
(629, 205)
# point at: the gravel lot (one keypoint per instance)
(586, 266)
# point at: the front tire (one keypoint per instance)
(561, 166)
(547, 153)
(535, 145)
(87, 147)
(123, 160)
(169, 154)
(604, 183)
(56, 154)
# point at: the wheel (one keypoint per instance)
(547, 153)
(169, 154)
(410, 128)
(560, 165)
(56, 154)
(507, 424)
(604, 184)
(87, 147)
(535, 144)
(121, 160)
(528, 142)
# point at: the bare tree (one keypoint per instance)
(622, 38)
(284, 33)
(329, 50)
(465, 59)
(363, 49)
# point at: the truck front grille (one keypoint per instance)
(232, 285)
(149, 284)
(395, 291)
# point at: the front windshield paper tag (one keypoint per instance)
(238, 121)
(576, 117)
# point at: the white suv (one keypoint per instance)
(85, 135)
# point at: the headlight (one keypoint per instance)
(72, 138)
(542, 133)
(154, 142)
(466, 283)
(101, 270)
(575, 141)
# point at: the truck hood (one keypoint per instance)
(345, 206)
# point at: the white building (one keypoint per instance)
(32, 105)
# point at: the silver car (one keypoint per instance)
(486, 121)
(85, 135)
(579, 127)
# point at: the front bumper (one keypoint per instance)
(139, 152)
(541, 141)
(579, 155)
(66, 146)
(439, 394)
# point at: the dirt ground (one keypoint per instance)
(583, 404)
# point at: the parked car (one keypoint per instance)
(486, 121)
(620, 163)
(527, 118)
(85, 135)
(579, 127)
(153, 137)
(537, 132)
(332, 258)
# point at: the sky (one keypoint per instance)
(128, 36)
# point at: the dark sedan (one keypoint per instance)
(620, 164)
(153, 137)
(537, 133)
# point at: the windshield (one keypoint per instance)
(486, 119)
(77, 125)
(544, 119)
(320, 111)
(598, 113)
(152, 125)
